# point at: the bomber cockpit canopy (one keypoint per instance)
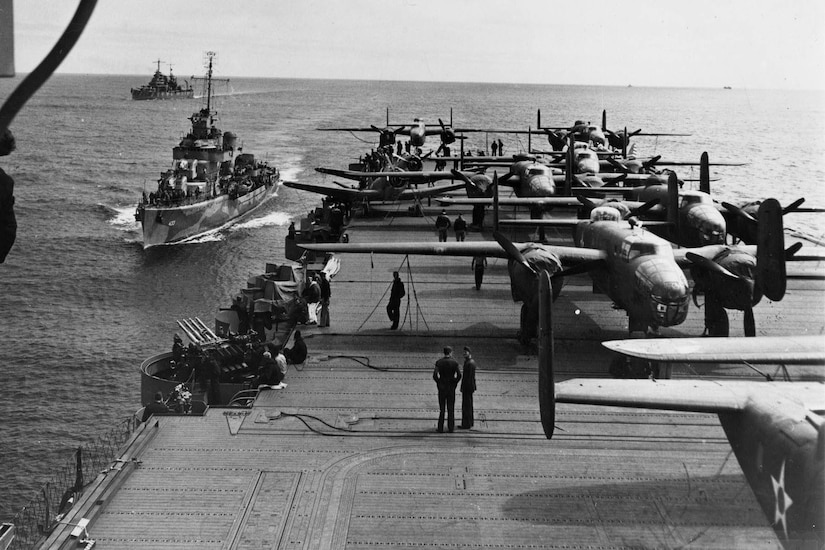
(693, 197)
(635, 246)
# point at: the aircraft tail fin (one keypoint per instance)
(672, 206)
(770, 251)
(568, 166)
(704, 173)
(547, 389)
(624, 143)
(495, 201)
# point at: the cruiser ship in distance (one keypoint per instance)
(163, 87)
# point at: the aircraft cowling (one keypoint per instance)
(556, 140)
(386, 138)
(523, 282)
(618, 140)
(705, 225)
(413, 164)
(524, 286)
(481, 187)
(740, 294)
(744, 229)
(447, 136)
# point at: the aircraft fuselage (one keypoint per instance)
(535, 179)
(418, 134)
(779, 446)
(700, 222)
(641, 275)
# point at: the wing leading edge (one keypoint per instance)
(767, 349)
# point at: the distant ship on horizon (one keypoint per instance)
(163, 87)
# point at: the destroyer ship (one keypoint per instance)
(210, 185)
(163, 87)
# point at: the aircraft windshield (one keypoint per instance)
(643, 248)
(694, 199)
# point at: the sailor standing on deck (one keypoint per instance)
(478, 264)
(156, 407)
(394, 306)
(326, 293)
(460, 227)
(312, 294)
(468, 386)
(446, 375)
(442, 224)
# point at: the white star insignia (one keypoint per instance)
(783, 501)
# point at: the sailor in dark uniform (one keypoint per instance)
(468, 387)
(155, 407)
(446, 375)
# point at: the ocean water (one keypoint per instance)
(82, 304)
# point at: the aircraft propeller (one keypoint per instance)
(724, 288)
(743, 224)
(620, 139)
(735, 279)
(387, 135)
(479, 186)
(447, 134)
(513, 252)
(524, 282)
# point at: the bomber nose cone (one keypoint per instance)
(541, 186)
(671, 300)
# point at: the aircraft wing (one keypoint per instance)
(349, 174)
(357, 129)
(712, 396)
(569, 255)
(676, 395)
(709, 251)
(513, 201)
(336, 191)
(572, 222)
(709, 396)
(764, 349)
(423, 176)
(409, 194)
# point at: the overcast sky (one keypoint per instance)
(705, 43)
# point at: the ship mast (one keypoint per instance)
(210, 56)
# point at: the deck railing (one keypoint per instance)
(38, 518)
